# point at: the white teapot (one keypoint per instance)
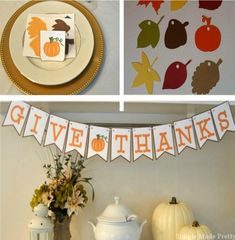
(117, 222)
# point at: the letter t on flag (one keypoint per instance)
(223, 119)
(204, 127)
(16, 115)
(184, 134)
(121, 144)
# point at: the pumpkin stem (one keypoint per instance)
(195, 224)
(189, 61)
(98, 136)
(173, 200)
(219, 62)
(206, 20)
(160, 20)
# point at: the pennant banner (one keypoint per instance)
(16, 115)
(163, 140)
(121, 143)
(56, 132)
(142, 142)
(36, 124)
(98, 142)
(128, 143)
(205, 129)
(184, 134)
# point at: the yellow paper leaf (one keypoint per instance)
(177, 4)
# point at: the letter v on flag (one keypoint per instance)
(56, 132)
(184, 134)
(36, 124)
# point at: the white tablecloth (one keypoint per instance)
(107, 14)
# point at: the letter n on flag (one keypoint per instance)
(121, 144)
(56, 132)
(142, 142)
(184, 134)
(16, 115)
(77, 138)
(36, 124)
(163, 140)
(204, 127)
(223, 119)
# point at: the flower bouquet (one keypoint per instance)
(64, 192)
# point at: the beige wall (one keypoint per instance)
(204, 179)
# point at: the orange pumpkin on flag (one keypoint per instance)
(98, 143)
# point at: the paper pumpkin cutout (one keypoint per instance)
(207, 37)
(150, 34)
(176, 75)
(176, 34)
(210, 4)
(206, 77)
(145, 73)
(35, 26)
(156, 4)
(177, 4)
(98, 143)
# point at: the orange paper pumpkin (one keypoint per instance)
(52, 48)
(98, 143)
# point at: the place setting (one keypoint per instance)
(52, 47)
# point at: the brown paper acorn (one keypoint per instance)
(176, 34)
(206, 77)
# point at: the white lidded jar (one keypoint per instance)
(117, 222)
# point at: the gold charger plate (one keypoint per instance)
(75, 86)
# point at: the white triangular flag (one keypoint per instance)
(163, 140)
(184, 134)
(17, 115)
(98, 142)
(36, 124)
(121, 143)
(223, 119)
(204, 127)
(56, 132)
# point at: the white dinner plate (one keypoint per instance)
(52, 73)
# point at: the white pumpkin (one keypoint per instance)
(195, 231)
(169, 218)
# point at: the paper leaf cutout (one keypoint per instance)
(34, 28)
(207, 37)
(210, 4)
(149, 35)
(176, 34)
(177, 4)
(60, 26)
(206, 77)
(176, 75)
(156, 4)
(145, 73)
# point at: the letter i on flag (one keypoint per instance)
(16, 115)
(121, 144)
(204, 127)
(77, 138)
(184, 134)
(36, 124)
(163, 140)
(223, 119)
(56, 132)
(142, 142)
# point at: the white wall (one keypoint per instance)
(204, 179)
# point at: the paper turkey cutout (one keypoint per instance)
(150, 33)
(210, 4)
(176, 75)
(207, 37)
(176, 34)
(206, 77)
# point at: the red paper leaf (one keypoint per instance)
(155, 4)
